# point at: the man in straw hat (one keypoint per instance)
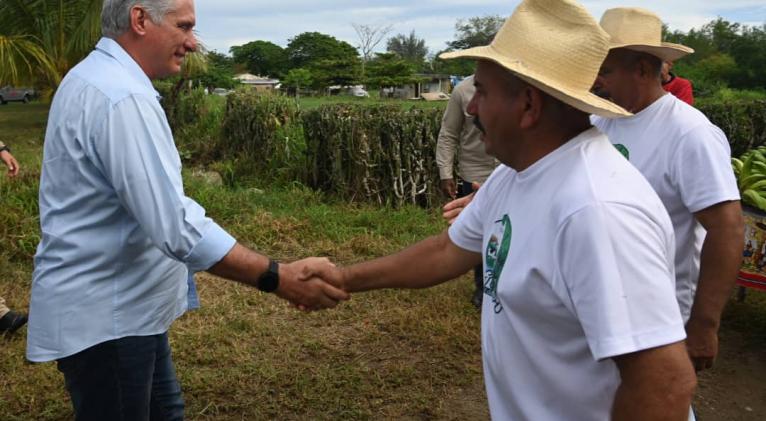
(687, 161)
(580, 320)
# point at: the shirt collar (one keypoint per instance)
(111, 48)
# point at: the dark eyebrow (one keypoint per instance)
(186, 22)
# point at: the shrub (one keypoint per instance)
(380, 154)
(262, 135)
(743, 121)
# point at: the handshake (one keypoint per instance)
(316, 283)
(312, 284)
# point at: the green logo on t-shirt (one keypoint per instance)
(497, 252)
(623, 150)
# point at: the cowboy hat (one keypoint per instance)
(640, 30)
(557, 47)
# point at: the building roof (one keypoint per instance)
(249, 79)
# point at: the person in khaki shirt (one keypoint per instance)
(10, 320)
(460, 136)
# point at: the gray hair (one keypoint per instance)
(115, 15)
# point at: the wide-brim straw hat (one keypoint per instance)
(640, 30)
(556, 46)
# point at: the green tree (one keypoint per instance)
(220, 71)
(710, 74)
(475, 31)
(461, 67)
(340, 72)
(726, 55)
(408, 47)
(261, 58)
(310, 47)
(220, 60)
(389, 70)
(749, 52)
(40, 40)
(297, 79)
(722, 33)
(472, 32)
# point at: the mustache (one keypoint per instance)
(601, 93)
(477, 123)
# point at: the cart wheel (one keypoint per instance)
(741, 294)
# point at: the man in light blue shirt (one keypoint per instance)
(119, 236)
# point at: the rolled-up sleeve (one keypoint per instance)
(137, 156)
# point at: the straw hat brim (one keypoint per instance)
(583, 101)
(667, 51)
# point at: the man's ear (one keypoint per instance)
(138, 20)
(533, 106)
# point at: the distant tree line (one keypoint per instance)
(315, 60)
(727, 55)
(40, 40)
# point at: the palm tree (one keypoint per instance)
(21, 58)
(40, 40)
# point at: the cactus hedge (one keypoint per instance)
(378, 153)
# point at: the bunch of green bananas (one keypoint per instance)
(750, 169)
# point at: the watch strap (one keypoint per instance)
(269, 280)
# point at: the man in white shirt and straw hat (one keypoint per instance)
(580, 320)
(687, 160)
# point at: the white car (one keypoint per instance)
(359, 92)
(221, 91)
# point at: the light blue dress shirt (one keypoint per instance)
(119, 236)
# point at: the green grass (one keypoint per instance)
(403, 355)
(247, 355)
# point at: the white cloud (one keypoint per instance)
(224, 23)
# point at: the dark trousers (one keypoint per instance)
(128, 379)
(464, 188)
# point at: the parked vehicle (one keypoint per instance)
(9, 93)
(355, 91)
(221, 91)
(359, 92)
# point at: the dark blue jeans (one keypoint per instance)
(128, 379)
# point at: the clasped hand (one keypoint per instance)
(311, 284)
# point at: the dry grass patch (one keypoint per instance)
(383, 355)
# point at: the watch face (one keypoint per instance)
(268, 282)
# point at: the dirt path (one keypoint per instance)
(735, 390)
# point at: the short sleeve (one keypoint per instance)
(702, 169)
(615, 272)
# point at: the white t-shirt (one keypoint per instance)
(687, 160)
(578, 258)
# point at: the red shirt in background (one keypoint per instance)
(680, 87)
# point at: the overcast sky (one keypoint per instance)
(224, 23)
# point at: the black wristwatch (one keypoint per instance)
(5, 148)
(269, 281)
